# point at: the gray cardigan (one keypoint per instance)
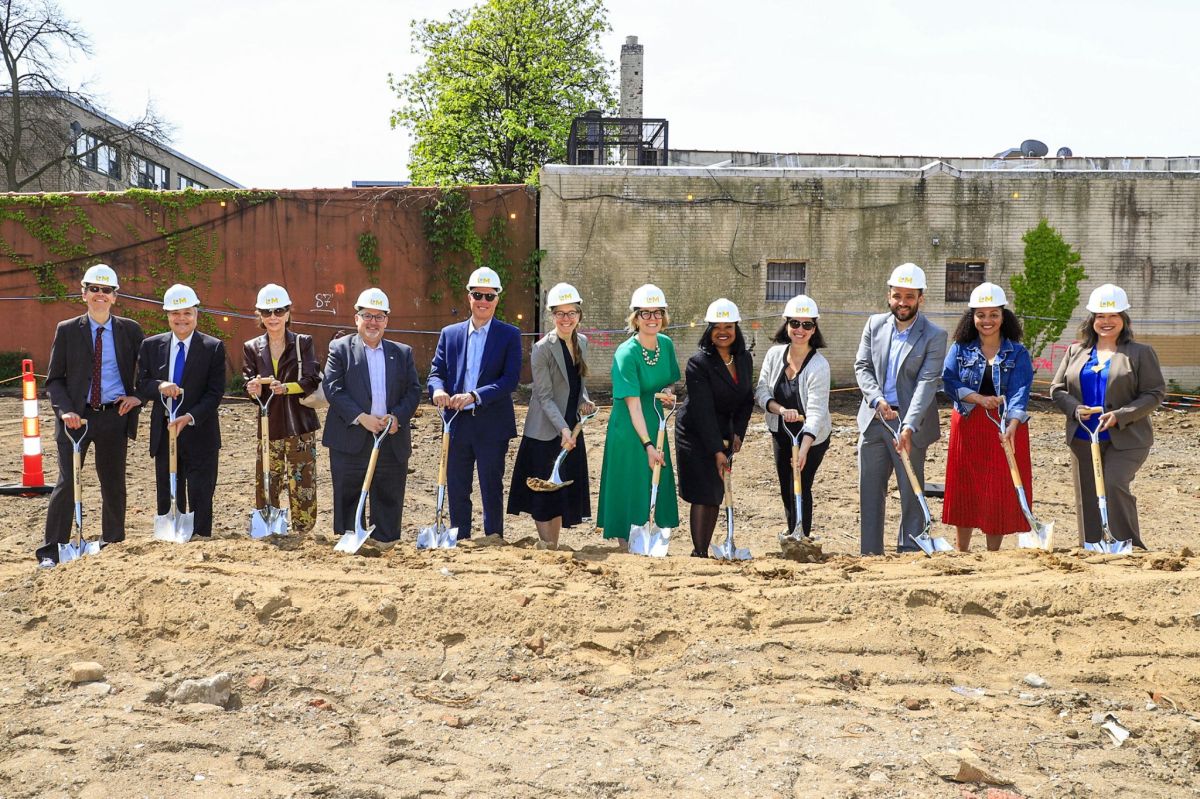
(813, 390)
(544, 419)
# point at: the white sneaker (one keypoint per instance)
(47, 563)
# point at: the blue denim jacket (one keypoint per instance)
(1012, 375)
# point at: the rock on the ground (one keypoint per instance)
(214, 690)
(86, 671)
(258, 683)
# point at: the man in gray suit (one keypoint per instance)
(898, 365)
(371, 385)
(91, 378)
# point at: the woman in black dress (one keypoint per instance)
(712, 422)
(559, 398)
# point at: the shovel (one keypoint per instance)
(650, 539)
(556, 482)
(352, 540)
(924, 540)
(68, 552)
(727, 550)
(267, 520)
(797, 533)
(174, 527)
(1108, 543)
(1040, 535)
(439, 536)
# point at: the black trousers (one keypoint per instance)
(385, 501)
(781, 444)
(194, 485)
(107, 430)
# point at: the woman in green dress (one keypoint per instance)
(642, 366)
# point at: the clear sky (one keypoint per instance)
(293, 93)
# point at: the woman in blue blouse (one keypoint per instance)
(986, 367)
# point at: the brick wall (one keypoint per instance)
(700, 234)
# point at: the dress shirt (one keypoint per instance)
(899, 337)
(112, 387)
(476, 340)
(377, 366)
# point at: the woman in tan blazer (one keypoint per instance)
(1110, 375)
(558, 362)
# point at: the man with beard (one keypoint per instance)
(898, 365)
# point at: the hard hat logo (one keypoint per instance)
(905, 280)
(1108, 304)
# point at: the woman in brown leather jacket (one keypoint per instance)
(285, 364)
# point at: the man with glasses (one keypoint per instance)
(372, 386)
(898, 366)
(91, 377)
(475, 370)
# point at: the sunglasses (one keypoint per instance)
(806, 324)
(656, 313)
(265, 312)
(483, 297)
(100, 289)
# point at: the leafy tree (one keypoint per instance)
(499, 87)
(37, 140)
(1046, 293)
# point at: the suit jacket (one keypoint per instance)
(348, 388)
(551, 387)
(203, 385)
(70, 369)
(499, 372)
(1135, 388)
(286, 416)
(921, 360)
(716, 408)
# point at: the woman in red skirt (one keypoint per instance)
(987, 370)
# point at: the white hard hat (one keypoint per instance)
(563, 294)
(908, 276)
(1108, 299)
(373, 299)
(722, 310)
(987, 295)
(648, 296)
(801, 305)
(484, 278)
(179, 297)
(100, 275)
(272, 296)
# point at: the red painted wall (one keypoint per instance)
(305, 240)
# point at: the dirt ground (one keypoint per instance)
(505, 671)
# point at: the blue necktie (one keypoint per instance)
(177, 373)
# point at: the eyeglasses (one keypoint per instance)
(651, 313)
(372, 317)
(566, 314)
(93, 289)
(265, 312)
(482, 297)
(804, 323)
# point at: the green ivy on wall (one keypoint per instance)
(62, 228)
(368, 255)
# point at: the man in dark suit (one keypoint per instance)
(91, 377)
(475, 370)
(184, 362)
(898, 366)
(372, 386)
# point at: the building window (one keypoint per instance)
(149, 175)
(94, 154)
(962, 277)
(785, 279)
(187, 183)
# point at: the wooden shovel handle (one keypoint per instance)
(442, 463)
(371, 469)
(662, 434)
(795, 471)
(912, 475)
(172, 447)
(1011, 456)
(661, 397)
(1098, 471)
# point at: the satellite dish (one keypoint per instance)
(1064, 152)
(1032, 148)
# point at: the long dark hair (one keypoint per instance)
(707, 346)
(816, 340)
(1010, 327)
(1087, 330)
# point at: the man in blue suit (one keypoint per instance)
(372, 386)
(475, 370)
